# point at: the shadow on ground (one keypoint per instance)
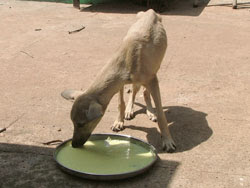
(189, 128)
(174, 7)
(33, 166)
(245, 5)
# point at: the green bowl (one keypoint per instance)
(106, 157)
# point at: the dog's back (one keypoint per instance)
(145, 27)
(145, 45)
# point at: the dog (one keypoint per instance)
(135, 62)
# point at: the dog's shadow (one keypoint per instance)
(189, 128)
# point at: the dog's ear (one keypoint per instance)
(70, 94)
(95, 111)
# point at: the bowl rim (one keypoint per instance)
(117, 176)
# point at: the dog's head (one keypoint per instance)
(85, 115)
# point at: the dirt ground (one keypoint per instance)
(204, 80)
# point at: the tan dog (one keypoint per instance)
(136, 62)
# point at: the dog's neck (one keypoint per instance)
(110, 80)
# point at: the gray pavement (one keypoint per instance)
(204, 80)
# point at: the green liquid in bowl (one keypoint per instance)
(106, 156)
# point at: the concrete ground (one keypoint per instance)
(204, 80)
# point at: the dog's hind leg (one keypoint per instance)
(129, 112)
(167, 141)
(150, 110)
(118, 124)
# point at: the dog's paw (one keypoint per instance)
(151, 116)
(168, 145)
(117, 126)
(129, 114)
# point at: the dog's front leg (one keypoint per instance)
(167, 141)
(129, 112)
(118, 124)
(150, 111)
